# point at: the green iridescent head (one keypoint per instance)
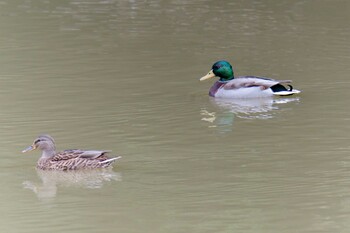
(221, 69)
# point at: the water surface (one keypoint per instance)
(123, 75)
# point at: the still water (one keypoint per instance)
(123, 76)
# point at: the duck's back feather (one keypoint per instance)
(76, 159)
(252, 81)
(76, 153)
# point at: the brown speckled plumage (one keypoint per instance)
(68, 159)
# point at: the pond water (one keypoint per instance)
(123, 76)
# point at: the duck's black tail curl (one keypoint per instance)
(280, 87)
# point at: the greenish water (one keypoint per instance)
(123, 76)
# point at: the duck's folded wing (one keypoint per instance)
(253, 81)
(75, 153)
(92, 154)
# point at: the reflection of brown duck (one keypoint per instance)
(52, 180)
(68, 159)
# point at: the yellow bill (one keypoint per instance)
(208, 76)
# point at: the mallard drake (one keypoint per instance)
(230, 86)
(68, 159)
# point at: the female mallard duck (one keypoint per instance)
(230, 86)
(68, 159)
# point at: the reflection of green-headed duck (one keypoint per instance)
(230, 86)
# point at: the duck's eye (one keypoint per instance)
(37, 141)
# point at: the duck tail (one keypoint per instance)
(281, 90)
(109, 161)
